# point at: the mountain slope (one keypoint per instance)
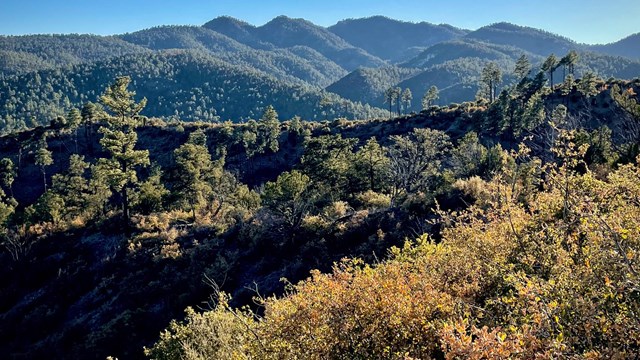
(452, 50)
(285, 32)
(183, 37)
(533, 40)
(281, 63)
(186, 84)
(239, 30)
(608, 66)
(19, 54)
(367, 84)
(627, 47)
(391, 39)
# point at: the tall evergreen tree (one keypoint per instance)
(390, 98)
(72, 186)
(568, 63)
(249, 138)
(587, 85)
(523, 67)
(491, 77)
(269, 129)
(74, 119)
(119, 140)
(288, 197)
(151, 193)
(370, 166)
(407, 96)
(89, 114)
(194, 171)
(398, 96)
(430, 97)
(549, 66)
(43, 159)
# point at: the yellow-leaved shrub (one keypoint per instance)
(535, 269)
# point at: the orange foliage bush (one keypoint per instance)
(527, 272)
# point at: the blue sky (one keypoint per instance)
(587, 21)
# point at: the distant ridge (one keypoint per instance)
(391, 39)
(355, 59)
(627, 47)
(530, 39)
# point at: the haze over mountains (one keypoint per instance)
(229, 69)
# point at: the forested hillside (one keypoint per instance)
(391, 39)
(626, 47)
(114, 223)
(356, 59)
(188, 85)
(21, 54)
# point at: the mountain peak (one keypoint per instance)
(393, 39)
(284, 20)
(534, 40)
(227, 21)
(503, 25)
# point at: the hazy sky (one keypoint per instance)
(586, 21)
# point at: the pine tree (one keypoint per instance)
(407, 96)
(288, 197)
(370, 166)
(523, 67)
(72, 186)
(89, 114)
(43, 159)
(390, 97)
(549, 66)
(567, 85)
(587, 85)
(119, 140)
(249, 139)
(150, 195)
(568, 63)
(269, 129)
(430, 97)
(398, 96)
(7, 175)
(194, 168)
(295, 129)
(99, 192)
(630, 124)
(74, 119)
(325, 105)
(491, 76)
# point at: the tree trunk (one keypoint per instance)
(125, 206)
(491, 91)
(371, 178)
(193, 210)
(44, 178)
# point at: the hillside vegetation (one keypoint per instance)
(289, 191)
(113, 223)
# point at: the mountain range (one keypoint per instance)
(228, 69)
